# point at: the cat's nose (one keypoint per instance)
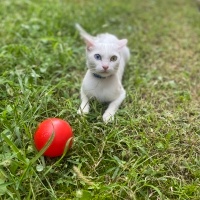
(105, 67)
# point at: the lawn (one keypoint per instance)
(151, 150)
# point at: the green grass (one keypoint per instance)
(151, 151)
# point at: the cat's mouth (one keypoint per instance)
(105, 73)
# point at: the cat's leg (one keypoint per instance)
(84, 107)
(108, 115)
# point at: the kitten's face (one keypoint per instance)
(103, 59)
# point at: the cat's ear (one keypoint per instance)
(89, 42)
(122, 43)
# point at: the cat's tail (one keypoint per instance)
(82, 32)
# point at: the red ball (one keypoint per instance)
(61, 129)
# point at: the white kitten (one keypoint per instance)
(106, 57)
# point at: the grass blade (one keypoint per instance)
(40, 153)
(13, 147)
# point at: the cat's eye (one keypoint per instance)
(113, 58)
(97, 56)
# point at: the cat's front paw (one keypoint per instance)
(107, 117)
(82, 111)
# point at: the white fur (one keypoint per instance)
(108, 88)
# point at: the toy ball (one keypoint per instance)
(62, 134)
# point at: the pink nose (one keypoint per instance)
(105, 67)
